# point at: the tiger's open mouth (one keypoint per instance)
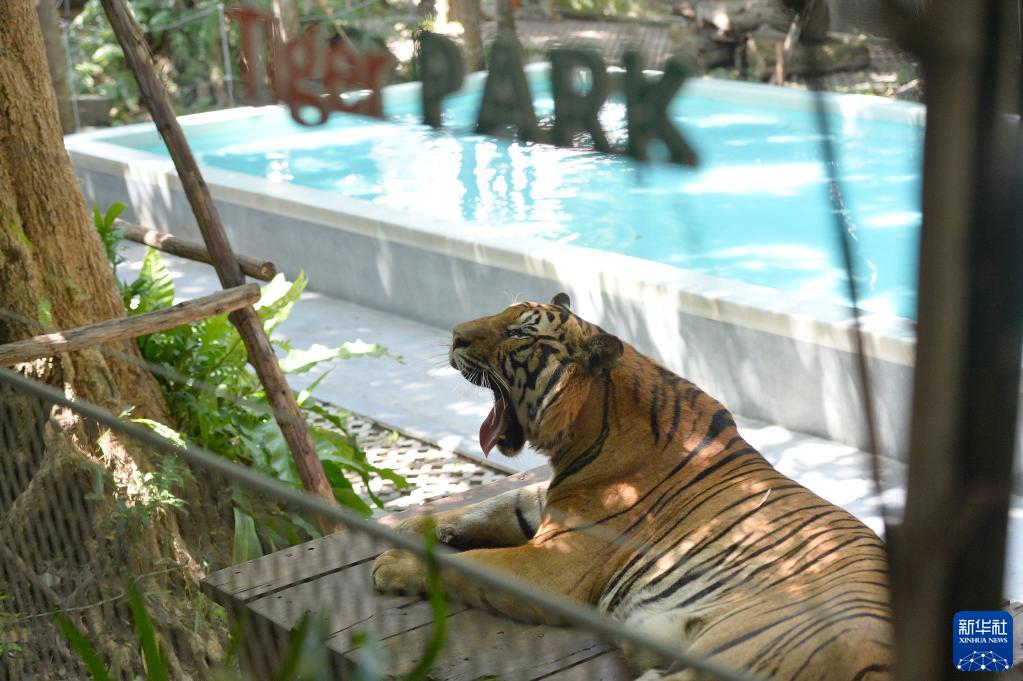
(501, 427)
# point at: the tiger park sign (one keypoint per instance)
(296, 68)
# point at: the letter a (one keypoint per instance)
(507, 100)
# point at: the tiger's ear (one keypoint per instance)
(601, 351)
(561, 300)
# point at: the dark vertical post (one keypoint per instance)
(949, 552)
(250, 328)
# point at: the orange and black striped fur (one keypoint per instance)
(657, 512)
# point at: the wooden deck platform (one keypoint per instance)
(332, 575)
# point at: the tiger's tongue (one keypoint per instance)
(494, 425)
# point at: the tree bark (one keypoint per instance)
(54, 275)
(47, 12)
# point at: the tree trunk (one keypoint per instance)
(47, 12)
(285, 18)
(66, 505)
(467, 13)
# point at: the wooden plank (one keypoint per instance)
(322, 556)
(333, 575)
(347, 598)
(479, 644)
(250, 327)
(317, 558)
(263, 270)
(609, 666)
(50, 344)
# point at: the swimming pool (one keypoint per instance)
(755, 210)
(726, 274)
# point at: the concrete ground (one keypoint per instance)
(424, 400)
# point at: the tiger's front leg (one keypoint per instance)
(508, 519)
(400, 571)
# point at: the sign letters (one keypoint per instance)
(316, 77)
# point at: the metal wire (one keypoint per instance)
(569, 611)
(844, 231)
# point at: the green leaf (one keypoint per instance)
(277, 299)
(112, 213)
(359, 348)
(303, 396)
(44, 314)
(156, 667)
(246, 542)
(300, 361)
(163, 430)
(154, 287)
(338, 420)
(82, 647)
(343, 488)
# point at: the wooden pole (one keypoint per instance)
(250, 328)
(50, 344)
(949, 552)
(264, 270)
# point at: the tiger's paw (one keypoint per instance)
(444, 526)
(401, 572)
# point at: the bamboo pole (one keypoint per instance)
(49, 344)
(250, 328)
(264, 270)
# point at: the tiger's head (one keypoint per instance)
(540, 362)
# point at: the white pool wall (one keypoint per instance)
(765, 355)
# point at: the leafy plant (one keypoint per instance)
(306, 658)
(109, 233)
(156, 664)
(185, 39)
(184, 36)
(208, 408)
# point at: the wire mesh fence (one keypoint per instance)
(94, 510)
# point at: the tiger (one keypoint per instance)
(657, 512)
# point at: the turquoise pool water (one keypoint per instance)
(756, 209)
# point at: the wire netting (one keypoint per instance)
(99, 514)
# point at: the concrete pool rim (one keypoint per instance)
(829, 324)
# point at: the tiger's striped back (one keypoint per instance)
(676, 524)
